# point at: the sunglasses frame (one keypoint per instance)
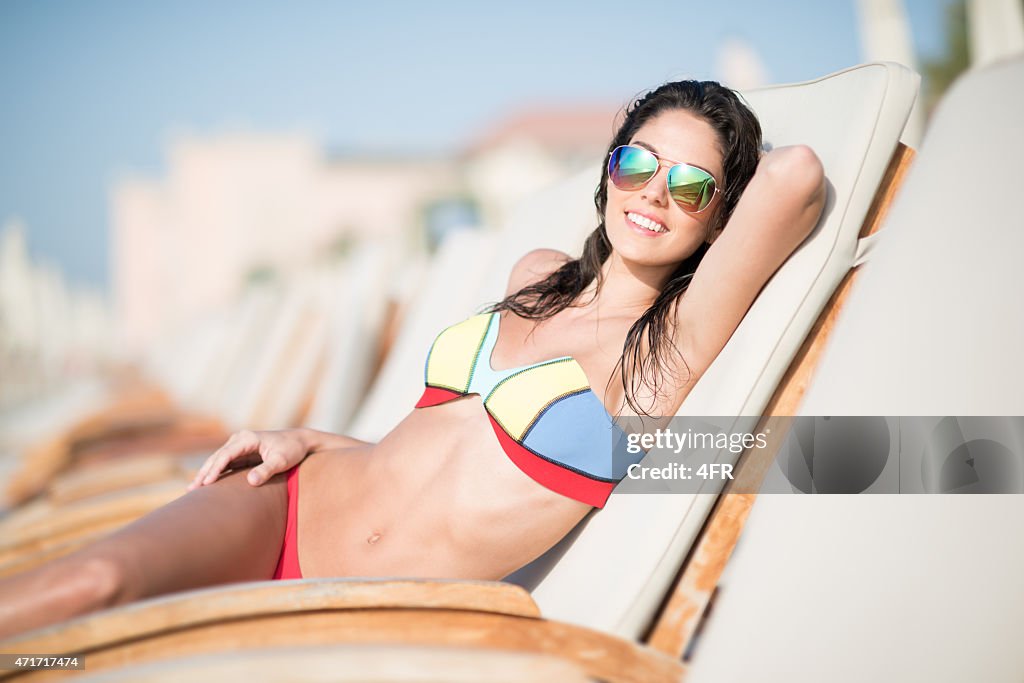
(675, 164)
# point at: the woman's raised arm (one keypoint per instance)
(779, 208)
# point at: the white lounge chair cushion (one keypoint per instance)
(613, 575)
(935, 317)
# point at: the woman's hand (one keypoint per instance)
(272, 452)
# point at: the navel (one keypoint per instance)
(374, 537)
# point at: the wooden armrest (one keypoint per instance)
(239, 601)
(358, 664)
(339, 611)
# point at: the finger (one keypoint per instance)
(210, 466)
(207, 464)
(245, 443)
(273, 463)
(218, 466)
(210, 461)
(201, 472)
(257, 475)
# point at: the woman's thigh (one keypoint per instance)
(225, 532)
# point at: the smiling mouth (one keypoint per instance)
(645, 223)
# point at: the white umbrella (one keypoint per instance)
(995, 30)
(885, 37)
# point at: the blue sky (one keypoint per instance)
(90, 91)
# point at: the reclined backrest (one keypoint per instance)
(935, 316)
(613, 571)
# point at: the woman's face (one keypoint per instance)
(678, 135)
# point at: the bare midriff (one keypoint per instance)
(437, 497)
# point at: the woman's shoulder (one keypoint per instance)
(535, 266)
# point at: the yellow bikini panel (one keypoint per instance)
(516, 402)
(454, 354)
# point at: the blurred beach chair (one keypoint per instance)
(942, 332)
(62, 510)
(318, 363)
(164, 404)
(83, 504)
(87, 494)
(259, 367)
(68, 515)
(622, 595)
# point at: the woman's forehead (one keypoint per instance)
(679, 135)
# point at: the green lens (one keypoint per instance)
(630, 168)
(691, 187)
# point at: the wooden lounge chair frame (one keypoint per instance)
(482, 614)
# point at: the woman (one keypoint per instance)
(674, 264)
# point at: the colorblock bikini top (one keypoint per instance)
(546, 417)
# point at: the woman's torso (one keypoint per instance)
(438, 496)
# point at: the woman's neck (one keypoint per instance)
(627, 288)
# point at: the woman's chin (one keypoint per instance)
(652, 255)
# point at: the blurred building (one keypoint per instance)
(237, 209)
(533, 149)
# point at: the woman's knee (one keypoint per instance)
(89, 582)
(104, 579)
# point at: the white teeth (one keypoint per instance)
(645, 222)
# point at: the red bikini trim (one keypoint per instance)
(288, 563)
(555, 477)
(433, 396)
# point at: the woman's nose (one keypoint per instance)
(656, 189)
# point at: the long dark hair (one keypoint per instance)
(739, 138)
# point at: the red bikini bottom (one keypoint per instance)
(288, 563)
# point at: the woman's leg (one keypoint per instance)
(226, 532)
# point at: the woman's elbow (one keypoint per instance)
(796, 178)
(798, 172)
